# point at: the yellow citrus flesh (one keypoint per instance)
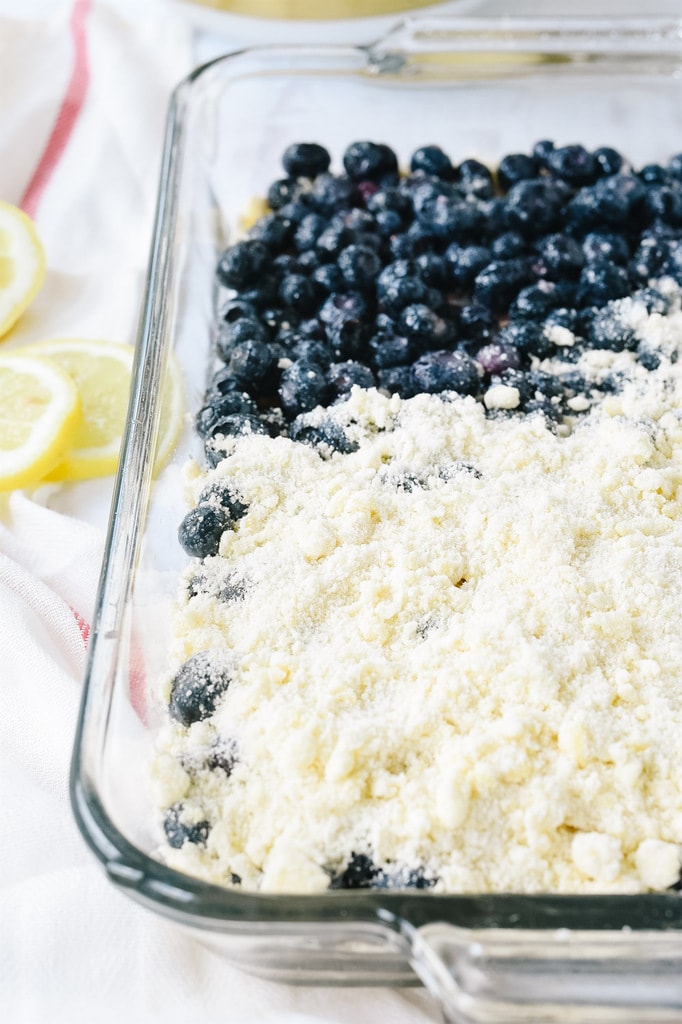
(101, 371)
(39, 417)
(22, 264)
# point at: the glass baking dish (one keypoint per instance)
(478, 88)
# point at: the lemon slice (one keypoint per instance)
(39, 416)
(101, 371)
(22, 264)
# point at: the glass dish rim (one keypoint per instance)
(190, 899)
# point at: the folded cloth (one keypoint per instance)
(84, 92)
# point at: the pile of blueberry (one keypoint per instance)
(450, 278)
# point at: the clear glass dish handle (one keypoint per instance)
(549, 977)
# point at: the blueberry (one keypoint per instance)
(246, 329)
(198, 686)
(223, 382)
(566, 318)
(210, 415)
(390, 350)
(494, 212)
(273, 231)
(534, 207)
(243, 264)
(654, 300)
(466, 262)
(607, 330)
(223, 494)
(224, 757)
(201, 529)
(608, 160)
(648, 359)
(178, 833)
(299, 293)
(340, 306)
(562, 255)
(450, 217)
(344, 376)
(653, 174)
(391, 199)
(602, 205)
(662, 203)
(535, 301)
(303, 386)
(305, 160)
(397, 380)
(573, 164)
(331, 193)
(432, 269)
(235, 309)
(432, 160)
(542, 404)
(326, 436)
(369, 161)
(348, 337)
(446, 371)
(252, 363)
(238, 424)
(359, 873)
(508, 245)
(475, 179)
(598, 246)
(335, 237)
(359, 266)
(528, 337)
(500, 281)
(328, 277)
(283, 192)
(263, 292)
(476, 322)
(308, 231)
(541, 151)
(496, 358)
(675, 166)
(424, 326)
(516, 167)
(600, 282)
(404, 291)
(389, 222)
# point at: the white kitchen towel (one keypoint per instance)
(83, 95)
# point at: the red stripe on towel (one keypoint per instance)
(68, 112)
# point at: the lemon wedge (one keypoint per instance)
(101, 372)
(22, 264)
(39, 417)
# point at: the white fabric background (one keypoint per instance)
(72, 948)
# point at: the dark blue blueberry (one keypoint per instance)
(263, 293)
(475, 179)
(496, 358)
(648, 261)
(359, 266)
(421, 324)
(326, 436)
(608, 160)
(653, 174)
(328, 277)
(235, 332)
(308, 231)
(405, 247)
(390, 350)
(466, 263)
(541, 151)
(312, 328)
(397, 380)
(243, 264)
(209, 416)
(662, 203)
(348, 338)
(302, 387)
(404, 291)
(305, 160)
(543, 404)
(534, 207)
(602, 205)
(238, 424)
(178, 833)
(432, 269)
(393, 272)
(331, 193)
(335, 237)
(497, 284)
(312, 350)
(495, 217)
(201, 529)
(606, 330)
(344, 376)
(451, 217)
(385, 324)
(508, 245)
(235, 309)
(296, 210)
(394, 199)
(675, 166)
(567, 318)
(446, 371)
(224, 754)
(370, 161)
(299, 293)
(600, 282)
(649, 360)
(516, 167)
(535, 301)
(360, 223)
(285, 263)
(272, 230)
(476, 322)
(528, 337)
(283, 192)
(222, 382)
(341, 306)
(252, 363)
(224, 494)
(359, 873)
(573, 164)
(654, 300)
(561, 255)
(546, 384)
(432, 160)
(599, 246)
(420, 238)
(389, 222)
(198, 686)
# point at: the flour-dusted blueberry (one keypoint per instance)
(303, 386)
(346, 305)
(446, 371)
(496, 358)
(198, 686)
(312, 350)
(551, 410)
(675, 166)
(452, 218)
(403, 291)
(272, 230)
(562, 255)
(283, 192)
(423, 326)
(405, 878)
(252, 363)
(534, 207)
(331, 193)
(475, 179)
(224, 757)
(201, 529)
(348, 338)
(359, 266)
(600, 245)
(299, 292)
(370, 161)
(568, 319)
(535, 301)
(541, 151)
(325, 436)
(397, 380)
(243, 263)
(224, 494)
(432, 269)
(608, 330)
(654, 300)
(344, 376)
(648, 260)
(573, 164)
(305, 160)
(234, 309)
(498, 283)
(609, 161)
(649, 359)
(466, 262)
(528, 337)
(219, 406)
(508, 245)
(335, 237)
(662, 204)
(328, 277)
(263, 292)
(238, 424)
(389, 222)
(516, 167)
(359, 873)
(600, 282)
(476, 322)
(245, 329)
(390, 350)
(178, 832)
(433, 161)
(308, 231)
